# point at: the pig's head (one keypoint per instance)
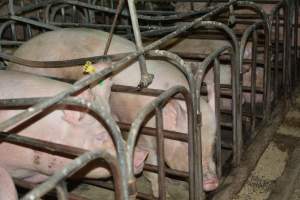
(175, 118)
(91, 135)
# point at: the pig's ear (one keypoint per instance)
(173, 116)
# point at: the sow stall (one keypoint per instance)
(268, 34)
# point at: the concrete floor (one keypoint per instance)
(277, 174)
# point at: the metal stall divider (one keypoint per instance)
(67, 150)
(253, 88)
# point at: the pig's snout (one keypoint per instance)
(210, 180)
(210, 184)
(139, 159)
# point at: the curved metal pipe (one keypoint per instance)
(70, 169)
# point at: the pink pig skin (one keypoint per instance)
(68, 127)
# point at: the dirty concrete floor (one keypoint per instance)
(277, 174)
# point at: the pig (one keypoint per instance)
(76, 128)
(126, 107)
(7, 190)
(59, 43)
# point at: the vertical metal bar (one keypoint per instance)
(191, 111)
(12, 12)
(284, 66)
(288, 51)
(146, 78)
(198, 151)
(74, 14)
(217, 114)
(253, 81)
(267, 74)
(13, 31)
(160, 154)
(297, 70)
(28, 32)
(276, 61)
(63, 17)
(112, 29)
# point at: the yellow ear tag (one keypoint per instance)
(89, 68)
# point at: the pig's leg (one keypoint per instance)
(7, 189)
(149, 144)
(211, 96)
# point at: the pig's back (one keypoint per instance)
(65, 44)
(15, 84)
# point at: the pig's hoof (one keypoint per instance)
(210, 184)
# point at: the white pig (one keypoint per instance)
(57, 44)
(75, 128)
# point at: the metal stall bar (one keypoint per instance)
(30, 21)
(296, 61)
(158, 103)
(160, 153)
(218, 117)
(68, 170)
(146, 77)
(275, 17)
(194, 139)
(253, 82)
(236, 92)
(266, 97)
(199, 76)
(63, 149)
(116, 135)
(288, 37)
(63, 63)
